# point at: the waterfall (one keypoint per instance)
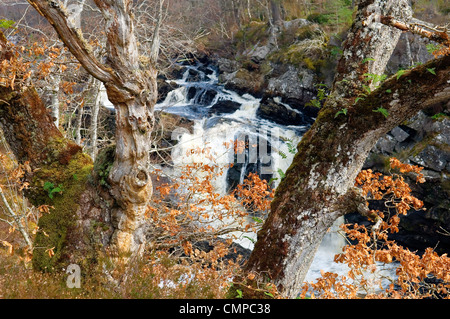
(222, 116)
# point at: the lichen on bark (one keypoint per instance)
(318, 187)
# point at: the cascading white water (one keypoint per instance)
(194, 99)
(215, 129)
(267, 149)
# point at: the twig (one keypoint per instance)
(16, 219)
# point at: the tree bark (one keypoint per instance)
(79, 222)
(30, 131)
(318, 187)
(56, 80)
(133, 93)
(93, 131)
(78, 124)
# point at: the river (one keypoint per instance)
(221, 115)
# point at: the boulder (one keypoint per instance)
(279, 113)
(164, 87)
(294, 83)
(174, 72)
(260, 53)
(244, 81)
(410, 49)
(227, 65)
(193, 76)
(432, 158)
(385, 145)
(399, 134)
(202, 96)
(224, 106)
(423, 141)
(236, 252)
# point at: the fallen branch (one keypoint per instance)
(436, 34)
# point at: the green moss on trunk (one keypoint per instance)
(70, 173)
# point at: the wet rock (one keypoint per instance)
(164, 87)
(202, 96)
(224, 106)
(174, 72)
(433, 158)
(206, 70)
(236, 252)
(279, 113)
(193, 76)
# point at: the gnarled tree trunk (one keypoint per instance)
(133, 93)
(318, 187)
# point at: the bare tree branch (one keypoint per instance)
(72, 37)
(433, 33)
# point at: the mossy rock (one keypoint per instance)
(251, 34)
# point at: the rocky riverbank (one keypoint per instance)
(423, 141)
(284, 67)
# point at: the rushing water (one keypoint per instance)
(222, 115)
(197, 98)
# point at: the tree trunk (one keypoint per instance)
(276, 13)
(79, 222)
(30, 131)
(318, 187)
(133, 93)
(93, 131)
(55, 98)
(78, 124)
